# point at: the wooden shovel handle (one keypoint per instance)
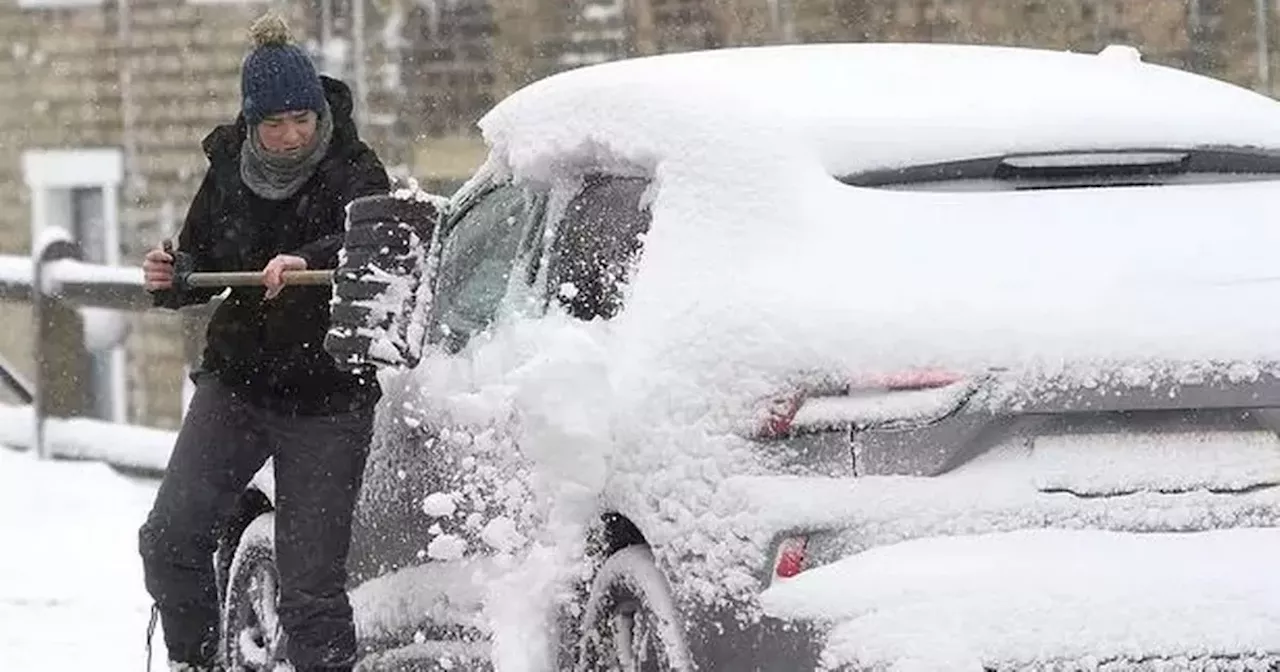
(251, 278)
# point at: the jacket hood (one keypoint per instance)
(224, 142)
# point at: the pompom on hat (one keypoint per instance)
(277, 76)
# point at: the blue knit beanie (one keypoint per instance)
(277, 75)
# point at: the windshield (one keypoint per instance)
(1068, 169)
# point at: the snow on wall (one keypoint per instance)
(15, 270)
(20, 270)
(71, 270)
(90, 439)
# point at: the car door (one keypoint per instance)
(397, 561)
(415, 565)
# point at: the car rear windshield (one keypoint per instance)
(1074, 169)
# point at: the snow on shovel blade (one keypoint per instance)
(380, 287)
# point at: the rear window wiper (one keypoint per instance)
(1079, 167)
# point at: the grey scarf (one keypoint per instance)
(276, 177)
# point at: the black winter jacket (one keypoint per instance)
(272, 350)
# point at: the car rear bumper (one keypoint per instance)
(1193, 555)
(1047, 598)
(1139, 464)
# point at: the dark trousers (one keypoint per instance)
(319, 463)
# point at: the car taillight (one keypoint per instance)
(790, 558)
(779, 416)
(783, 413)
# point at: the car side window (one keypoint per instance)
(476, 260)
(596, 245)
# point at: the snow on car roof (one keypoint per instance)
(867, 106)
(756, 254)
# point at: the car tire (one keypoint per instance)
(630, 622)
(252, 638)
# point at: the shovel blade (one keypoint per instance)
(380, 289)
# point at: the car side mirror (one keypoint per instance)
(381, 290)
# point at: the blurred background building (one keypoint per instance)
(105, 101)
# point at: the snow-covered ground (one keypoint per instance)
(71, 593)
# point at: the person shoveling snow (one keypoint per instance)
(272, 202)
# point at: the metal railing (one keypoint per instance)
(51, 418)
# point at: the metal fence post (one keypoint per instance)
(62, 360)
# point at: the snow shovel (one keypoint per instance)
(381, 288)
(380, 297)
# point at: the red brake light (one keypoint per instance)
(780, 415)
(791, 557)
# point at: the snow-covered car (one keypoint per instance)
(825, 356)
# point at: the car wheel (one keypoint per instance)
(252, 637)
(630, 622)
